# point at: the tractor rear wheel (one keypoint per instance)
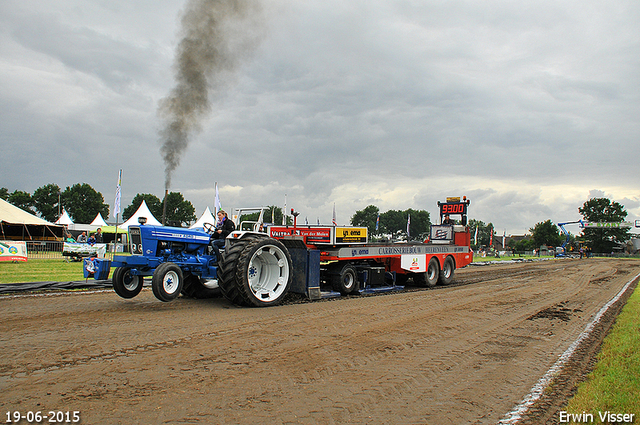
(125, 284)
(167, 282)
(255, 272)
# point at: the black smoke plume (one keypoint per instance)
(215, 36)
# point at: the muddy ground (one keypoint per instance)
(463, 354)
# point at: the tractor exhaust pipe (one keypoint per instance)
(164, 207)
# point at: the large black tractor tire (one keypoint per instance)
(448, 269)
(345, 281)
(255, 272)
(126, 284)
(194, 287)
(167, 282)
(430, 278)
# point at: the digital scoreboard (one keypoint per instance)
(455, 206)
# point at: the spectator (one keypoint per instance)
(82, 238)
(98, 236)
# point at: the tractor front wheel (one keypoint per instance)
(125, 284)
(167, 282)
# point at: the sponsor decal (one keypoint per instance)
(411, 250)
(313, 234)
(351, 234)
(414, 263)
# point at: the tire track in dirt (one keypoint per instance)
(435, 356)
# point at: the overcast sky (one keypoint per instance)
(528, 108)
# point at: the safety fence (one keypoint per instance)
(55, 250)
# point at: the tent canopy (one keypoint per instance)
(206, 217)
(64, 219)
(98, 221)
(17, 224)
(143, 211)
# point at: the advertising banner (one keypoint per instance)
(13, 251)
(351, 235)
(312, 234)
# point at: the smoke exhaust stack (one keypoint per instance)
(164, 207)
(216, 35)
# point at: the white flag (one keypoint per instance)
(475, 238)
(284, 211)
(334, 219)
(217, 206)
(116, 204)
(408, 225)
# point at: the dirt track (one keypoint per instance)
(463, 354)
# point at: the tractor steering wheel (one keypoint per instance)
(210, 228)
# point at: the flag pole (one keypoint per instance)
(116, 210)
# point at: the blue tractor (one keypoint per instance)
(255, 270)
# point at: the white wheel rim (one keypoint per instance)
(268, 273)
(348, 280)
(432, 272)
(170, 282)
(130, 281)
(447, 271)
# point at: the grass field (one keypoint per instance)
(40, 270)
(614, 384)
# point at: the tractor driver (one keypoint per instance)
(224, 226)
(447, 220)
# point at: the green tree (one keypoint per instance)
(83, 203)
(395, 222)
(4, 193)
(603, 210)
(484, 232)
(179, 210)
(21, 200)
(546, 233)
(272, 215)
(522, 245)
(153, 202)
(46, 201)
(366, 218)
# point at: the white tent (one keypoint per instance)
(64, 219)
(98, 221)
(206, 217)
(18, 224)
(143, 211)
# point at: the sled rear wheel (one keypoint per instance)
(446, 275)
